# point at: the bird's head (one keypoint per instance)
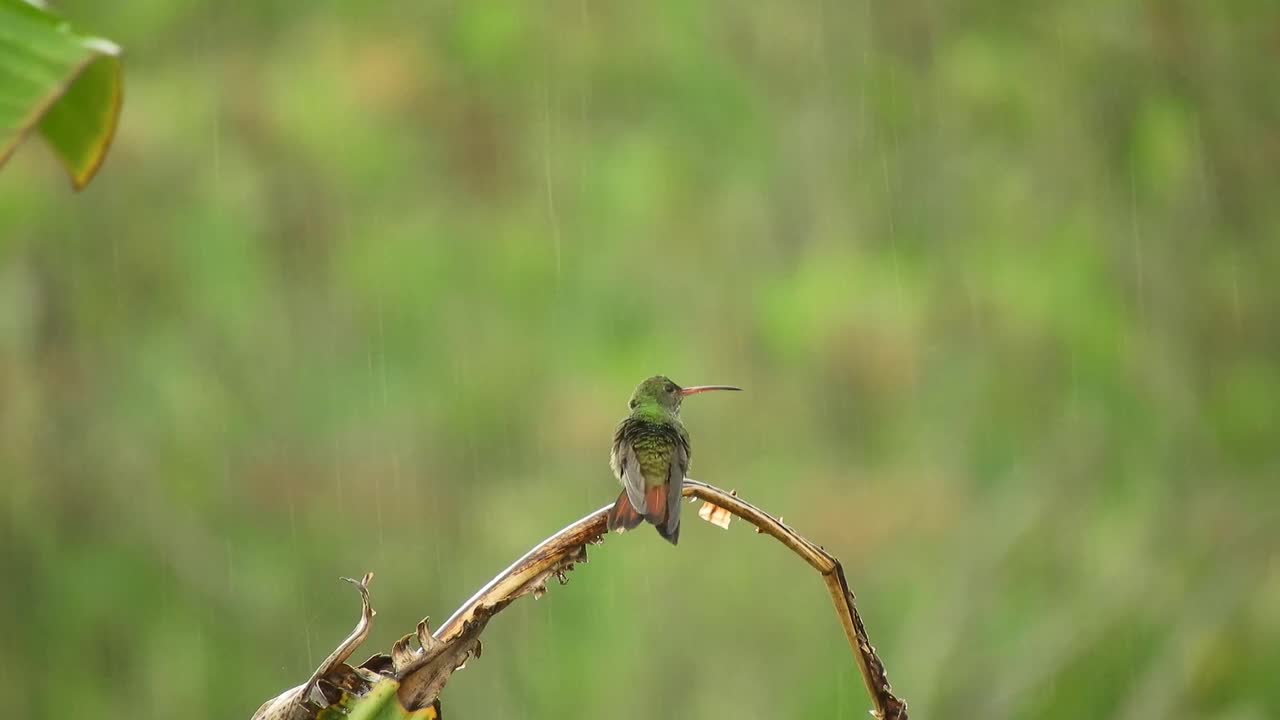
(662, 392)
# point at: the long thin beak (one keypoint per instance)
(706, 388)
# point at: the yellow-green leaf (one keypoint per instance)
(380, 703)
(66, 85)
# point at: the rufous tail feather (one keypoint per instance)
(656, 498)
(667, 527)
(623, 515)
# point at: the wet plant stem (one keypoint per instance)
(557, 554)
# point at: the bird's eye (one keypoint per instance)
(671, 387)
(632, 404)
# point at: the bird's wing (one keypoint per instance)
(627, 469)
(675, 485)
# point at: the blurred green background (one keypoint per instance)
(365, 286)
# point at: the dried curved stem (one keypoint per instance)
(558, 553)
(887, 705)
(292, 703)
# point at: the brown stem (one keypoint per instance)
(558, 553)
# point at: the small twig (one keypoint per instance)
(557, 554)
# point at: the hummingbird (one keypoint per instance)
(650, 457)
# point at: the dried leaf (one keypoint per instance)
(402, 652)
(715, 515)
(425, 640)
(300, 702)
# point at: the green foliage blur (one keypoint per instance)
(365, 286)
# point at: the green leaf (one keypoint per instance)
(379, 703)
(67, 85)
